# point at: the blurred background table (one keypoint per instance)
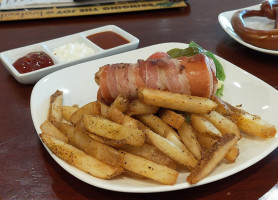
(28, 172)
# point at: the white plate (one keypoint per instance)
(77, 83)
(9, 57)
(261, 23)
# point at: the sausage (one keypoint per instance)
(267, 39)
(187, 75)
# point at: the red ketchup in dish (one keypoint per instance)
(107, 39)
(33, 61)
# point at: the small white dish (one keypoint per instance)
(9, 57)
(239, 89)
(252, 22)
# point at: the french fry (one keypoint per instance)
(96, 149)
(249, 123)
(147, 168)
(170, 149)
(55, 108)
(53, 131)
(67, 111)
(136, 107)
(117, 116)
(131, 122)
(255, 126)
(223, 124)
(114, 143)
(171, 118)
(232, 155)
(157, 125)
(103, 110)
(212, 157)
(235, 110)
(120, 103)
(177, 141)
(90, 108)
(133, 175)
(80, 159)
(207, 142)
(222, 107)
(204, 126)
(151, 153)
(176, 101)
(189, 138)
(109, 142)
(111, 130)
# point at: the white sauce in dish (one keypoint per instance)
(73, 51)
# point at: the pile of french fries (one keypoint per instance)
(154, 136)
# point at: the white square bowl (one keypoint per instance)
(10, 56)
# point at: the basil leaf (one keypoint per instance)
(190, 51)
(194, 44)
(175, 53)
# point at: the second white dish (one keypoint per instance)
(254, 22)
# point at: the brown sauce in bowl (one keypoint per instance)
(107, 39)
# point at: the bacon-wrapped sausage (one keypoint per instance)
(188, 75)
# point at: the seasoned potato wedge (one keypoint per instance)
(171, 118)
(157, 125)
(55, 108)
(133, 175)
(90, 109)
(92, 147)
(222, 123)
(232, 154)
(151, 153)
(120, 103)
(207, 142)
(53, 131)
(212, 157)
(176, 101)
(80, 159)
(144, 167)
(222, 107)
(255, 126)
(189, 138)
(117, 116)
(67, 112)
(136, 107)
(111, 130)
(112, 143)
(170, 149)
(103, 110)
(204, 126)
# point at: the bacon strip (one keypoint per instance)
(188, 75)
(111, 76)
